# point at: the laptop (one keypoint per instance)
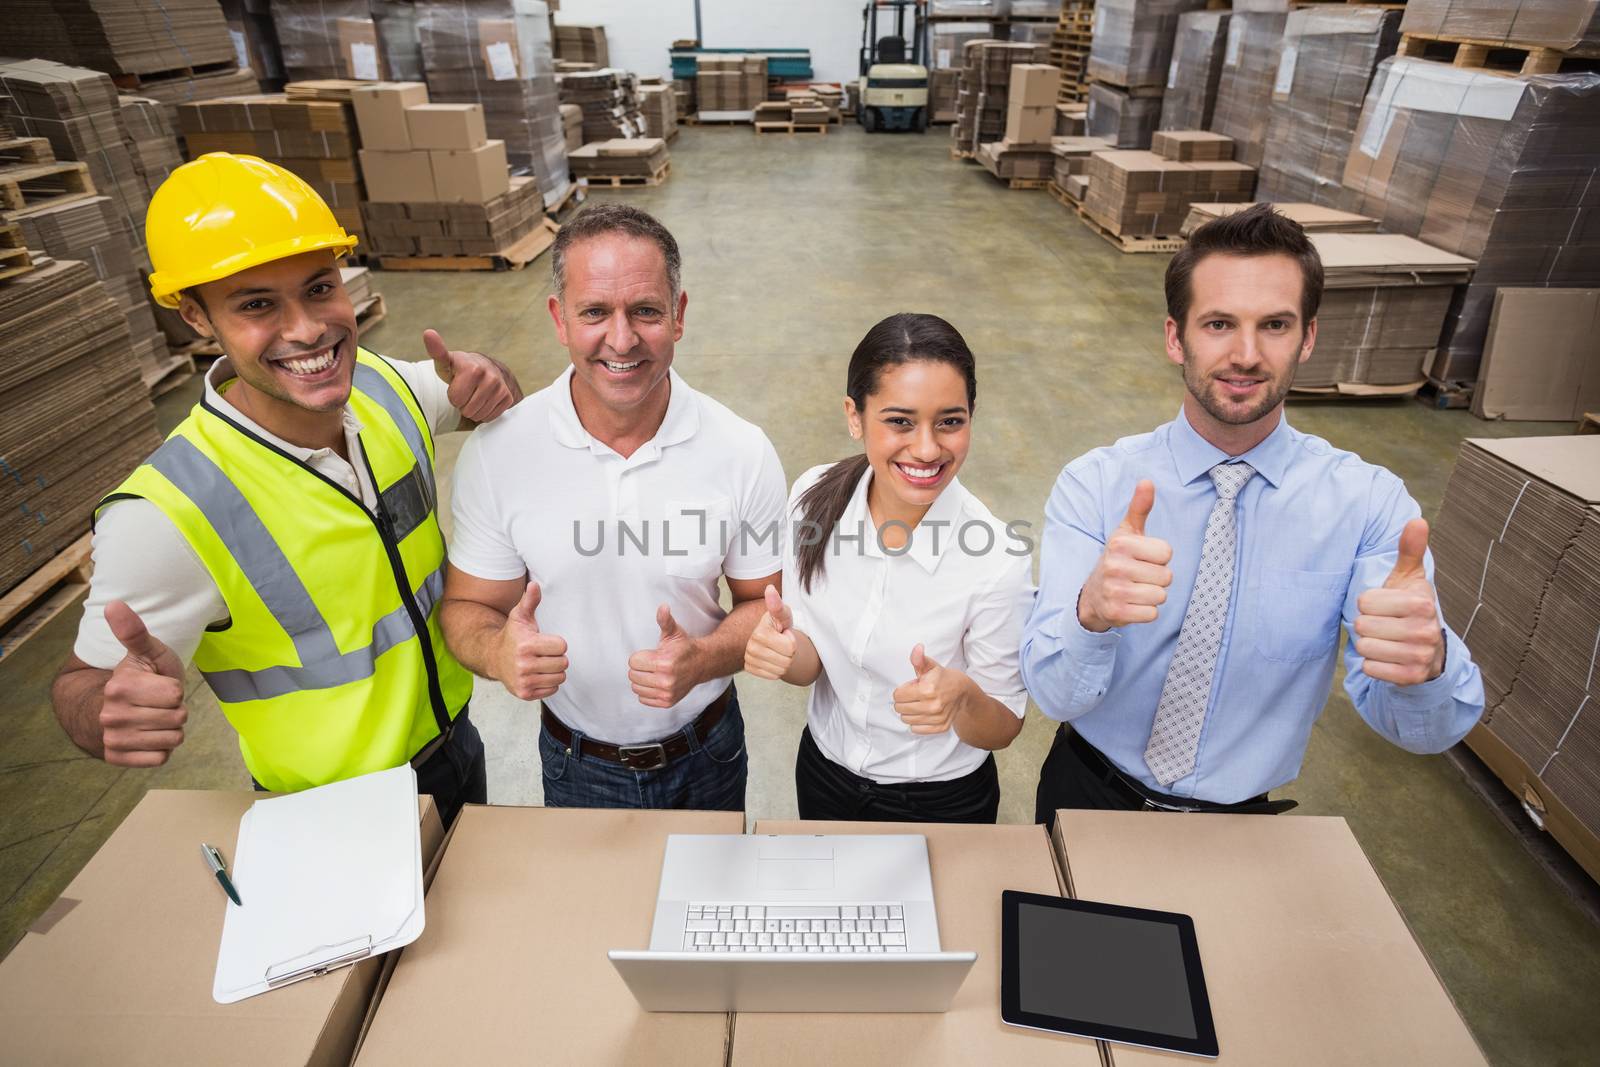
(786, 923)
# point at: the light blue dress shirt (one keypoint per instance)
(1317, 528)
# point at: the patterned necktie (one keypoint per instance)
(1175, 734)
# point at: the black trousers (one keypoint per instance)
(829, 791)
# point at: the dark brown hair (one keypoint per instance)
(1256, 231)
(599, 219)
(898, 339)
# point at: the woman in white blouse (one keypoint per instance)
(906, 598)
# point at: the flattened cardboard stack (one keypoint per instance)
(1197, 50)
(582, 44)
(983, 89)
(1027, 151)
(943, 85)
(1500, 169)
(1570, 25)
(1517, 551)
(729, 83)
(1384, 299)
(1071, 171)
(1329, 54)
(659, 106)
(1313, 218)
(151, 141)
(1133, 40)
(683, 90)
(436, 229)
(255, 40)
(118, 36)
(496, 53)
(361, 40)
(314, 138)
(610, 102)
(1249, 71)
(1126, 121)
(1542, 359)
(1138, 193)
(640, 157)
(78, 419)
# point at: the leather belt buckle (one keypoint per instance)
(654, 753)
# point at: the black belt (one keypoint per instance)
(1149, 800)
(427, 751)
(646, 755)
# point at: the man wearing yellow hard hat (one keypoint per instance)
(284, 537)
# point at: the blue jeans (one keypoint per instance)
(710, 777)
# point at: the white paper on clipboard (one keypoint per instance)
(325, 877)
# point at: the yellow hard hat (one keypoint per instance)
(221, 214)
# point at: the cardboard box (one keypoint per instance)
(1034, 85)
(970, 865)
(119, 969)
(398, 177)
(1313, 218)
(1188, 146)
(525, 905)
(1542, 357)
(472, 176)
(381, 113)
(1306, 958)
(447, 127)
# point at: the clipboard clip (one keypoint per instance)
(318, 961)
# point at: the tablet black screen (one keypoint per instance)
(1107, 969)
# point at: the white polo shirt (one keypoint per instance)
(961, 588)
(609, 539)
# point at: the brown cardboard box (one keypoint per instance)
(1314, 218)
(447, 127)
(1306, 958)
(1187, 146)
(971, 865)
(119, 969)
(513, 967)
(398, 177)
(381, 113)
(1542, 357)
(472, 176)
(1034, 85)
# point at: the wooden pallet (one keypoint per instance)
(524, 251)
(32, 187)
(25, 150)
(171, 372)
(1025, 183)
(956, 153)
(1128, 243)
(133, 82)
(628, 181)
(14, 261)
(1494, 57)
(575, 194)
(791, 127)
(43, 595)
(1062, 197)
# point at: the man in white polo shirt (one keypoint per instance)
(592, 524)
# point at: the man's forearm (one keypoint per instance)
(471, 632)
(722, 650)
(76, 697)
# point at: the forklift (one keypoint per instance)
(894, 91)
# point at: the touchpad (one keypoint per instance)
(794, 865)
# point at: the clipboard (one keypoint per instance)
(327, 877)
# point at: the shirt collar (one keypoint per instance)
(928, 543)
(1194, 456)
(222, 372)
(680, 423)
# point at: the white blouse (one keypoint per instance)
(961, 588)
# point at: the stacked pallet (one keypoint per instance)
(1069, 49)
(1129, 62)
(729, 86)
(78, 419)
(1070, 173)
(659, 106)
(151, 141)
(1249, 71)
(623, 163)
(120, 37)
(1135, 194)
(983, 90)
(794, 115)
(1197, 52)
(1025, 156)
(492, 228)
(496, 53)
(609, 100)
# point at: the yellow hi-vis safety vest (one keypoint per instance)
(319, 667)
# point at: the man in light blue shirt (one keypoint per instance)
(1193, 579)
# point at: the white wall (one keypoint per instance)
(639, 32)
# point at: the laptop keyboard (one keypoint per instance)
(824, 928)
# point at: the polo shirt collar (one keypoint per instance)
(946, 509)
(681, 422)
(1194, 456)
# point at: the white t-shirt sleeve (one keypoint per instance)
(141, 558)
(431, 391)
(480, 541)
(994, 637)
(757, 550)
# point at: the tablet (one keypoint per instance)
(1103, 971)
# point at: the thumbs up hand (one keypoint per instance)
(1397, 630)
(1130, 581)
(772, 646)
(930, 702)
(141, 709)
(480, 388)
(529, 663)
(663, 675)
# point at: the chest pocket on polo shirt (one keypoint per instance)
(698, 533)
(1297, 612)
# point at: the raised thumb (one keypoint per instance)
(1144, 498)
(778, 610)
(131, 633)
(1408, 566)
(921, 662)
(438, 351)
(524, 611)
(669, 625)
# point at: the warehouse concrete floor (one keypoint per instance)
(792, 249)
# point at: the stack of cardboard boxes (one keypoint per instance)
(1197, 50)
(797, 114)
(1071, 172)
(1129, 63)
(572, 125)
(1026, 152)
(1249, 72)
(659, 106)
(729, 84)
(609, 100)
(152, 143)
(77, 417)
(639, 161)
(496, 53)
(582, 44)
(1148, 193)
(683, 92)
(320, 39)
(981, 95)
(1313, 218)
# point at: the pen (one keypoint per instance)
(214, 861)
